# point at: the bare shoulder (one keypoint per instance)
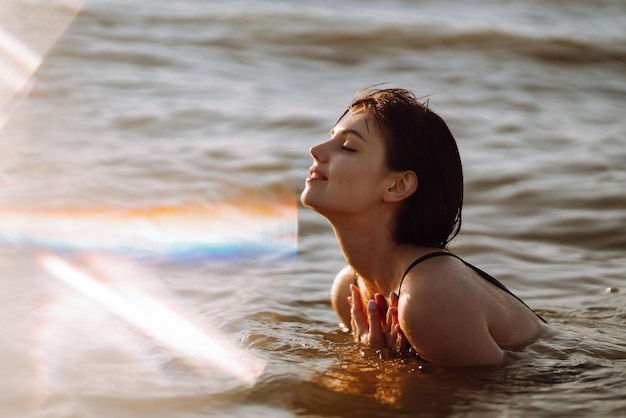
(339, 293)
(442, 318)
(436, 281)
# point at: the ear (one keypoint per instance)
(403, 184)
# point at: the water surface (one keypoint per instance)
(194, 103)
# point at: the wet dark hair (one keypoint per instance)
(417, 139)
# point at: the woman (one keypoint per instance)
(390, 182)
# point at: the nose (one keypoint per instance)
(317, 152)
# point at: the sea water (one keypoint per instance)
(148, 108)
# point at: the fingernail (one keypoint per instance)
(371, 306)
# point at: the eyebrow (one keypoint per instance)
(346, 131)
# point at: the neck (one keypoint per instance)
(370, 250)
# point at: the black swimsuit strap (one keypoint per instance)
(480, 272)
(419, 260)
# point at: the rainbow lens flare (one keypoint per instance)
(96, 252)
(217, 231)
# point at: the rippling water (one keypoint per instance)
(190, 103)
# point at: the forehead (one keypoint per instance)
(356, 120)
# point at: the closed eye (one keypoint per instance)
(348, 149)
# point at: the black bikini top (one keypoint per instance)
(481, 273)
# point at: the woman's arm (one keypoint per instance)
(339, 294)
(447, 327)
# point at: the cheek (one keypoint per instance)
(358, 189)
(357, 173)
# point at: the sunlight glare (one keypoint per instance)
(27, 32)
(205, 351)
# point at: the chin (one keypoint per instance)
(309, 200)
(305, 199)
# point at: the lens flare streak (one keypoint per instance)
(28, 30)
(169, 329)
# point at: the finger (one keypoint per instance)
(381, 303)
(390, 327)
(376, 336)
(392, 312)
(355, 293)
(402, 342)
(353, 324)
(352, 320)
(393, 299)
(392, 317)
(360, 325)
(388, 323)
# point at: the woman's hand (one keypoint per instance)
(378, 327)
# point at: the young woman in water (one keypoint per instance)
(390, 182)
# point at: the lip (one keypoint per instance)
(315, 175)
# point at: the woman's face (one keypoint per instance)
(348, 175)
